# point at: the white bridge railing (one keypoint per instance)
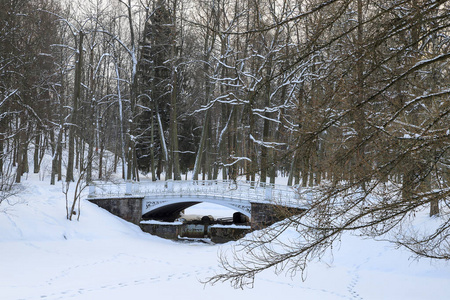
(237, 190)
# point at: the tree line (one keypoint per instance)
(348, 96)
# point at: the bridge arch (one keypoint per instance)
(169, 208)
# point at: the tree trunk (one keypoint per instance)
(175, 158)
(76, 96)
(100, 161)
(201, 148)
(36, 160)
(19, 170)
(434, 208)
(56, 159)
(165, 156)
(2, 141)
(152, 146)
(251, 145)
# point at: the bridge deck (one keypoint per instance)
(237, 190)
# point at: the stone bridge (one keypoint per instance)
(164, 200)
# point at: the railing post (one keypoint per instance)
(170, 186)
(268, 193)
(128, 188)
(91, 190)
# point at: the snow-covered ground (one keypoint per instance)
(45, 256)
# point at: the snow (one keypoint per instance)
(231, 226)
(45, 256)
(154, 222)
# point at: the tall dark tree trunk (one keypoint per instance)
(201, 148)
(22, 150)
(36, 160)
(152, 145)
(56, 160)
(266, 153)
(175, 157)
(2, 143)
(76, 97)
(251, 135)
(359, 115)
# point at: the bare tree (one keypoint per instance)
(369, 116)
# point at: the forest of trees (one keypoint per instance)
(350, 97)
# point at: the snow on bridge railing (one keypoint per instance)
(238, 190)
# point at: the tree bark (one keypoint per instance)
(76, 96)
(36, 160)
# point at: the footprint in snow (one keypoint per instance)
(351, 287)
